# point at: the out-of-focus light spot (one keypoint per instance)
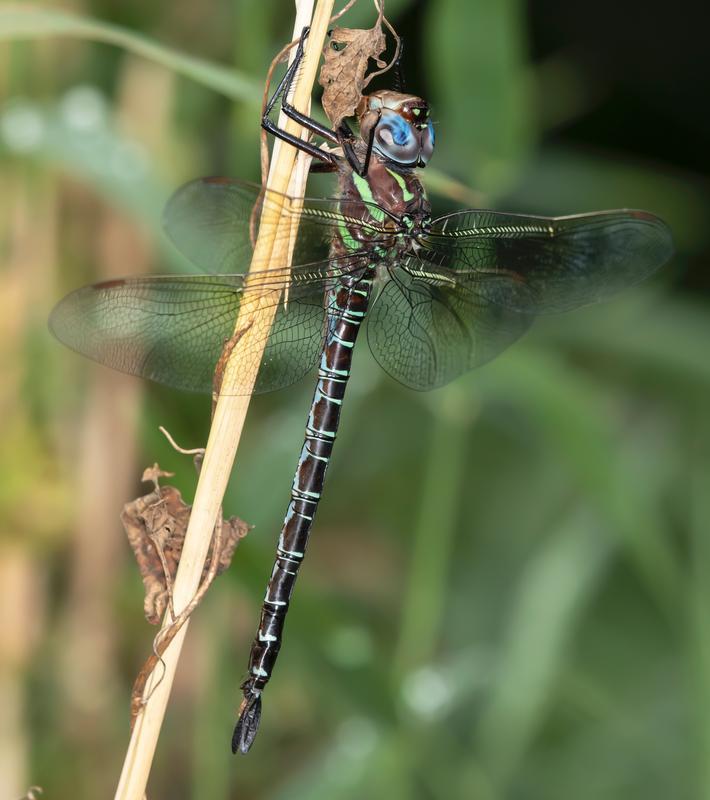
(129, 161)
(83, 108)
(350, 646)
(356, 738)
(426, 691)
(22, 128)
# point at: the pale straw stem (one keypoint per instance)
(272, 248)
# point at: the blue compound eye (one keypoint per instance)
(395, 139)
(427, 146)
(401, 132)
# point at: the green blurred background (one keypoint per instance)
(507, 590)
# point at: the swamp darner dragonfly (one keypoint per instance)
(441, 297)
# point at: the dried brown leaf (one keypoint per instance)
(343, 74)
(155, 525)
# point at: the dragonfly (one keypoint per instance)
(438, 295)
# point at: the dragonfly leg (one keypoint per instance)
(310, 124)
(320, 167)
(347, 137)
(284, 89)
(343, 136)
(398, 71)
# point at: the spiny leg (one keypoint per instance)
(398, 70)
(282, 91)
(343, 136)
(346, 142)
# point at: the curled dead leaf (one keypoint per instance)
(155, 525)
(343, 74)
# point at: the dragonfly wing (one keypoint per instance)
(173, 330)
(547, 264)
(425, 334)
(212, 222)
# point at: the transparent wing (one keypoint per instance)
(545, 264)
(424, 334)
(173, 330)
(211, 221)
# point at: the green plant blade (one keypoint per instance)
(36, 22)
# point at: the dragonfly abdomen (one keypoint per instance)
(346, 306)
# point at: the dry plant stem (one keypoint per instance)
(264, 139)
(380, 6)
(277, 59)
(227, 423)
(193, 451)
(342, 11)
(139, 696)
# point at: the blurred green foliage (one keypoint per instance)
(507, 591)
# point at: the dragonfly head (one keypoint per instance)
(403, 133)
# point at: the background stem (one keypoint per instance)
(434, 531)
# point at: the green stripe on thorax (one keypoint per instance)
(406, 194)
(363, 187)
(347, 237)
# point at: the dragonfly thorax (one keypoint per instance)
(415, 224)
(391, 199)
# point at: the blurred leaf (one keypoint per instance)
(437, 182)
(554, 589)
(35, 22)
(115, 166)
(571, 412)
(434, 532)
(480, 89)
(567, 181)
(663, 333)
(699, 596)
(363, 15)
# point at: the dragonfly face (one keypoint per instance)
(403, 132)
